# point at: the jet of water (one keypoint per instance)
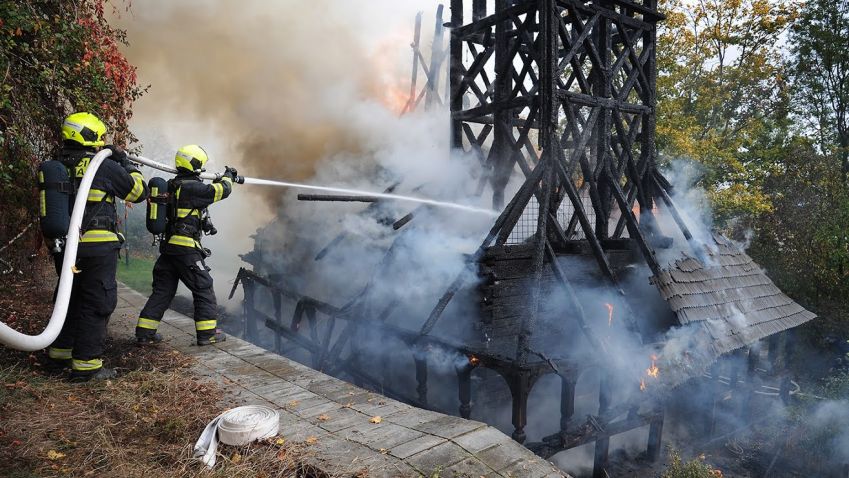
(354, 192)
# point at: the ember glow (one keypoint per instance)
(474, 361)
(642, 385)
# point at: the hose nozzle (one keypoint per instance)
(239, 180)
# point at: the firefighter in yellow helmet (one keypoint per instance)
(182, 256)
(93, 295)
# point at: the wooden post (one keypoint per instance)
(602, 446)
(774, 344)
(248, 301)
(567, 403)
(655, 439)
(464, 377)
(278, 317)
(520, 388)
(421, 375)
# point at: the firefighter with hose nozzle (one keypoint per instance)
(183, 202)
(93, 297)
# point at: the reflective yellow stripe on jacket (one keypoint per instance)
(219, 188)
(99, 235)
(43, 195)
(184, 241)
(138, 187)
(154, 207)
(181, 213)
(96, 195)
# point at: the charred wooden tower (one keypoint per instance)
(564, 92)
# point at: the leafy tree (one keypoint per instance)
(55, 58)
(820, 40)
(721, 90)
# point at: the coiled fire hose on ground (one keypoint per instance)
(238, 427)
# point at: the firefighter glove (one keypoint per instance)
(118, 155)
(230, 172)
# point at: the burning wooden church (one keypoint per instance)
(589, 270)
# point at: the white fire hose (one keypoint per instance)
(238, 427)
(30, 343)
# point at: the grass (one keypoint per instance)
(137, 275)
(142, 424)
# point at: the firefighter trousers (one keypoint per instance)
(94, 296)
(191, 270)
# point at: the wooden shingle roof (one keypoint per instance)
(729, 295)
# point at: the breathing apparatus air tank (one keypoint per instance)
(157, 205)
(55, 189)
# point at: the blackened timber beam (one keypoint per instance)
(636, 61)
(607, 103)
(336, 198)
(676, 215)
(342, 235)
(458, 282)
(578, 206)
(653, 14)
(577, 44)
(587, 434)
(603, 91)
(344, 366)
(467, 31)
(522, 198)
(580, 315)
(490, 108)
(403, 221)
(478, 10)
(501, 157)
(415, 73)
(634, 228)
(468, 78)
(456, 72)
(318, 305)
(436, 58)
(579, 8)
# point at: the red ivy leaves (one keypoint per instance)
(103, 47)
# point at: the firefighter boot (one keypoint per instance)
(103, 373)
(217, 338)
(53, 366)
(56, 360)
(148, 339)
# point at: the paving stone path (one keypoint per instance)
(334, 418)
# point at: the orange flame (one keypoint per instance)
(642, 385)
(609, 314)
(653, 371)
(474, 361)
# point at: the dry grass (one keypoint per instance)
(143, 424)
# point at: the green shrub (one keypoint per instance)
(695, 468)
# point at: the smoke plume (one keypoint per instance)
(273, 87)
